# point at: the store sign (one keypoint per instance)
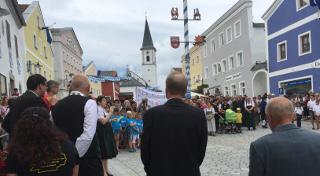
(297, 82)
(232, 77)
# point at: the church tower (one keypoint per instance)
(149, 64)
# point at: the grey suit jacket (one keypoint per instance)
(289, 150)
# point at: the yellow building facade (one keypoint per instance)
(91, 70)
(195, 67)
(39, 54)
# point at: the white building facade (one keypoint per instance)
(12, 55)
(233, 57)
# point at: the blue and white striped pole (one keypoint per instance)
(186, 38)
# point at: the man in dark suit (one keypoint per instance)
(288, 150)
(36, 85)
(175, 134)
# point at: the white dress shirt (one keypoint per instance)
(83, 142)
(311, 104)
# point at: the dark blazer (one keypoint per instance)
(174, 139)
(237, 104)
(26, 100)
(289, 150)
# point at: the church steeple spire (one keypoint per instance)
(147, 39)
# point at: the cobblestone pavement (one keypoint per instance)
(227, 154)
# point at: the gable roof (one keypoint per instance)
(108, 73)
(273, 7)
(147, 39)
(132, 83)
(23, 7)
(136, 78)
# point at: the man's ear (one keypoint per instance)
(268, 117)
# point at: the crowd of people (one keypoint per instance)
(85, 129)
(251, 110)
(79, 133)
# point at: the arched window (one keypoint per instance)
(148, 58)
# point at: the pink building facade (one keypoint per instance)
(67, 57)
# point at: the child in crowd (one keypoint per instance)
(299, 112)
(123, 130)
(136, 131)
(316, 111)
(140, 125)
(239, 121)
(116, 126)
(130, 126)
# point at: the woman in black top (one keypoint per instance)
(38, 148)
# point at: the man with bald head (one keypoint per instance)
(288, 150)
(175, 134)
(76, 115)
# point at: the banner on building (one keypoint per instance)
(154, 98)
(108, 78)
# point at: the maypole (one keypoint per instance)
(186, 46)
(175, 43)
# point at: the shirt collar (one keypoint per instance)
(77, 92)
(33, 93)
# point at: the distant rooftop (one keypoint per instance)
(23, 7)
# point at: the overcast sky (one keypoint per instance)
(111, 32)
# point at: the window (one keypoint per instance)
(213, 46)
(71, 61)
(229, 35)
(9, 43)
(194, 80)
(3, 85)
(36, 69)
(242, 88)
(64, 56)
(233, 90)
(38, 21)
(304, 43)
(237, 29)
(226, 91)
(302, 4)
(16, 44)
(214, 69)
(240, 59)
(148, 58)
(30, 67)
(221, 39)
(50, 77)
(0, 47)
(206, 72)
(205, 50)
(45, 52)
(224, 66)
(192, 61)
(282, 51)
(44, 73)
(231, 63)
(68, 59)
(35, 41)
(198, 80)
(197, 59)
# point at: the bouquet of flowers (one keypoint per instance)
(3, 160)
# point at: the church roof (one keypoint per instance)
(147, 39)
(132, 83)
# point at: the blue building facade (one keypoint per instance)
(293, 46)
